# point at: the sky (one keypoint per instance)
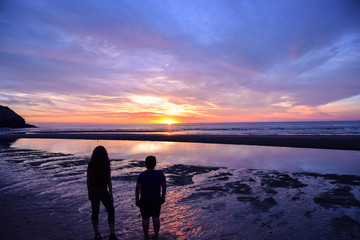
(147, 61)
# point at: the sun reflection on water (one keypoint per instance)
(222, 155)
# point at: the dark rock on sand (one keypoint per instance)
(208, 193)
(280, 180)
(343, 179)
(309, 213)
(10, 119)
(270, 191)
(335, 178)
(257, 204)
(181, 175)
(215, 189)
(212, 192)
(264, 205)
(240, 188)
(337, 197)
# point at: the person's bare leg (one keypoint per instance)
(156, 223)
(96, 228)
(145, 225)
(112, 228)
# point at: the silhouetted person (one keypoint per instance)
(100, 189)
(150, 184)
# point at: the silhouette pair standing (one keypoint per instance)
(147, 193)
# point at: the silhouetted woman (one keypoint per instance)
(100, 189)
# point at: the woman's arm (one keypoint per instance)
(110, 186)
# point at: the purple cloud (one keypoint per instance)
(228, 58)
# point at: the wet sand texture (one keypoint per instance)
(43, 196)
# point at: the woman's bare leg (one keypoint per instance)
(96, 228)
(112, 228)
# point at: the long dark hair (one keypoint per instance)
(98, 170)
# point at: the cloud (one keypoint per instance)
(210, 59)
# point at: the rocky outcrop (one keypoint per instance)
(10, 119)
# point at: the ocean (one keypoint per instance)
(255, 128)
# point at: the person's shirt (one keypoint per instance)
(150, 181)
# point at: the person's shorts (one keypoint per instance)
(150, 208)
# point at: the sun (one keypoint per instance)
(168, 121)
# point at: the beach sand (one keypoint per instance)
(43, 196)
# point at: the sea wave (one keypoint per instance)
(265, 128)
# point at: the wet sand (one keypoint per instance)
(43, 196)
(340, 142)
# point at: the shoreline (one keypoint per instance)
(336, 142)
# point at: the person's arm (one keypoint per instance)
(110, 187)
(163, 191)
(137, 194)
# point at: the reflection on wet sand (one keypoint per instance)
(44, 197)
(231, 156)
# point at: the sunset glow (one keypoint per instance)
(180, 61)
(168, 121)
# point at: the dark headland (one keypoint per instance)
(10, 119)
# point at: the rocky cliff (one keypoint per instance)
(10, 119)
